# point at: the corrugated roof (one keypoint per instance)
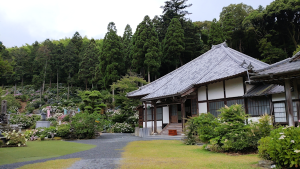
(264, 89)
(218, 63)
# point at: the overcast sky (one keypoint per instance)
(25, 21)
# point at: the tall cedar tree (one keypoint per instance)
(69, 61)
(126, 39)
(216, 33)
(57, 62)
(172, 9)
(173, 44)
(145, 51)
(87, 67)
(111, 61)
(228, 27)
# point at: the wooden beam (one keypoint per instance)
(295, 84)
(207, 106)
(289, 102)
(146, 115)
(155, 122)
(224, 92)
(189, 92)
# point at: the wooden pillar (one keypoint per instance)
(145, 114)
(155, 122)
(289, 102)
(183, 111)
(297, 97)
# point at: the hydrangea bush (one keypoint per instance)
(122, 128)
(24, 120)
(282, 147)
(15, 138)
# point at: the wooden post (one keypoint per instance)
(145, 114)
(155, 122)
(289, 102)
(297, 97)
(183, 111)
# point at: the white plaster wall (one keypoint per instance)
(254, 119)
(202, 93)
(166, 114)
(215, 91)
(149, 125)
(202, 107)
(248, 87)
(234, 87)
(278, 97)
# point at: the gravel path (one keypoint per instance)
(107, 154)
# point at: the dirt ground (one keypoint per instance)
(23, 104)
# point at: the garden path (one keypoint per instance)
(107, 154)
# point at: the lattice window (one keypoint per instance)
(159, 114)
(279, 112)
(237, 101)
(295, 111)
(194, 106)
(259, 106)
(215, 106)
(174, 110)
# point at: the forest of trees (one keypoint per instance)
(158, 46)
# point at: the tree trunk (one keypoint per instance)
(113, 93)
(92, 85)
(57, 85)
(180, 59)
(41, 93)
(148, 76)
(85, 84)
(15, 88)
(292, 37)
(22, 81)
(68, 91)
(50, 83)
(240, 47)
(44, 76)
(155, 77)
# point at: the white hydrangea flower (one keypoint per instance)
(297, 151)
(292, 141)
(282, 137)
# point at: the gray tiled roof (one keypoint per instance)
(218, 63)
(283, 66)
(264, 89)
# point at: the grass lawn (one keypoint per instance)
(175, 154)
(52, 164)
(37, 150)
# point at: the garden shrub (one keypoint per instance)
(122, 128)
(24, 120)
(84, 125)
(15, 138)
(1, 143)
(11, 101)
(282, 147)
(66, 118)
(24, 98)
(63, 130)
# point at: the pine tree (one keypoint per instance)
(111, 61)
(216, 33)
(145, 51)
(87, 67)
(173, 43)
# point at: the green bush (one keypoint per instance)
(122, 128)
(282, 147)
(37, 103)
(25, 120)
(84, 125)
(63, 130)
(11, 101)
(66, 118)
(1, 143)
(24, 98)
(29, 109)
(207, 124)
(15, 138)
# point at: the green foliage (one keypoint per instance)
(66, 118)
(63, 130)
(282, 147)
(173, 43)
(111, 58)
(270, 53)
(206, 125)
(15, 138)
(216, 33)
(24, 120)
(297, 50)
(84, 125)
(127, 83)
(11, 101)
(122, 128)
(92, 101)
